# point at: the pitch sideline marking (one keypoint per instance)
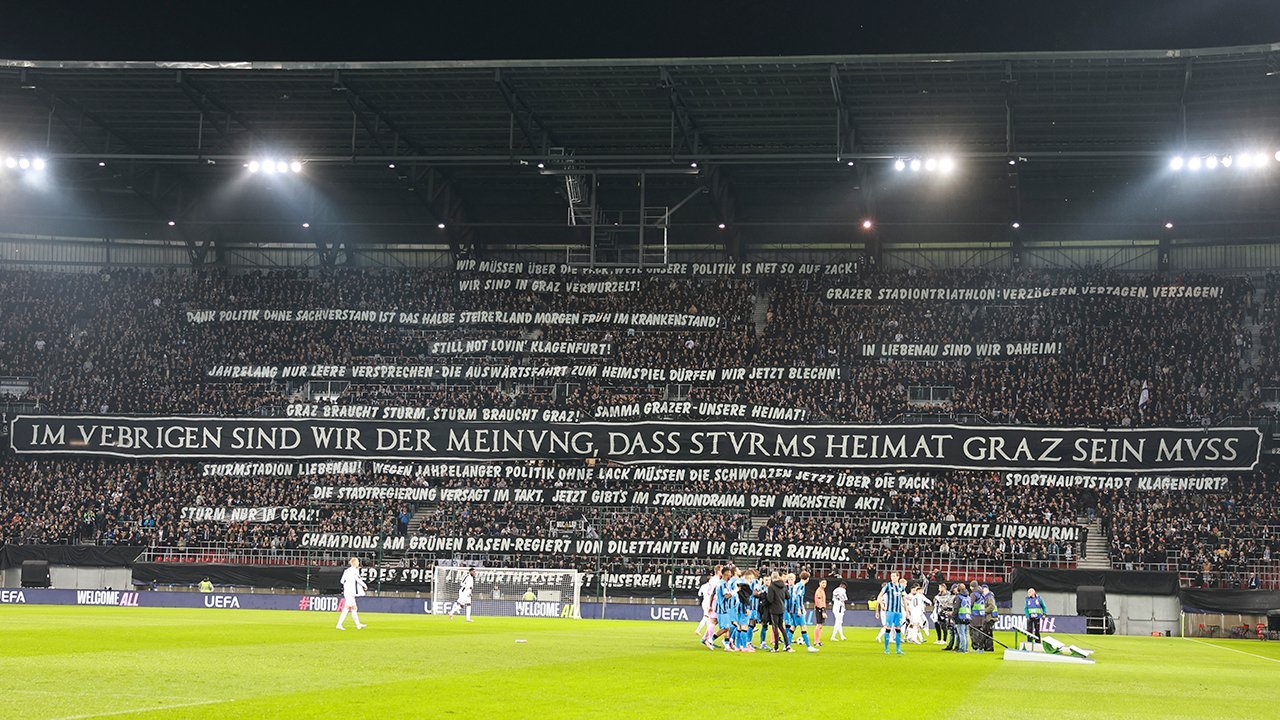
(154, 708)
(1242, 652)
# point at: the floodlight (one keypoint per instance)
(930, 165)
(1193, 164)
(915, 165)
(1168, 226)
(900, 165)
(867, 224)
(38, 164)
(24, 163)
(1016, 224)
(721, 226)
(282, 166)
(11, 162)
(1176, 163)
(440, 225)
(1211, 162)
(295, 166)
(254, 166)
(946, 164)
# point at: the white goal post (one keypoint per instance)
(510, 592)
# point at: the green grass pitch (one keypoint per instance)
(60, 662)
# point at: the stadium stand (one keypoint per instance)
(140, 341)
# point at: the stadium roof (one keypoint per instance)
(1073, 145)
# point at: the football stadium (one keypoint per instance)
(555, 387)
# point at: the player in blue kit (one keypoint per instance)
(795, 612)
(746, 582)
(724, 622)
(890, 603)
(753, 589)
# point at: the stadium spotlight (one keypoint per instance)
(867, 224)
(1193, 164)
(542, 166)
(946, 164)
(1264, 157)
(1176, 163)
(693, 165)
(282, 166)
(306, 225)
(1016, 224)
(38, 164)
(1168, 226)
(172, 223)
(915, 165)
(1227, 160)
(1260, 160)
(295, 167)
(269, 167)
(930, 165)
(850, 163)
(24, 163)
(254, 166)
(721, 226)
(899, 164)
(1245, 161)
(391, 165)
(11, 162)
(440, 225)
(1211, 162)
(102, 163)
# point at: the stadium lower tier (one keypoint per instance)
(541, 515)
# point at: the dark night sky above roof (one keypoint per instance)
(478, 30)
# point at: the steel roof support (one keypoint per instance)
(848, 141)
(723, 199)
(441, 199)
(163, 190)
(536, 134)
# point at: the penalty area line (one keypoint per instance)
(1242, 652)
(153, 708)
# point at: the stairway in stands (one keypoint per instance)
(761, 309)
(420, 514)
(757, 522)
(1096, 554)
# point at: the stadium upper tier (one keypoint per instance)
(1046, 348)
(1043, 348)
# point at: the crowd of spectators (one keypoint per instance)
(121, 341)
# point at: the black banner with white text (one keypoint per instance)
(973, 447)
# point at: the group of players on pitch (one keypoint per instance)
(736, 603)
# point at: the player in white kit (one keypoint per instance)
(839, 599)
(706, 599)
(353, 586)
(916, 603)
(464, 594)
